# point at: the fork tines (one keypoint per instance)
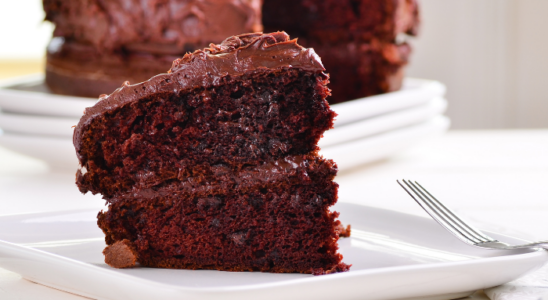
(444, 215)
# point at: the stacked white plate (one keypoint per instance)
(37, 123)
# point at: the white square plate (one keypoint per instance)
(394, 256)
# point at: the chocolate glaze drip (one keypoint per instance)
(155, 26)
(236, 56)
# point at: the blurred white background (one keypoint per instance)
(491, 54)
(23, 33)
(23, 37)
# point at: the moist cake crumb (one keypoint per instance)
(120, 255)
(343, 231)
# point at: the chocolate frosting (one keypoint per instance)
(294, 169)
(235, 56)
(155, 26)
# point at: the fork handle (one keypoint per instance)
(539, 244)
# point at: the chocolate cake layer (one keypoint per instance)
(214, 165)
(342, 21)
(259, 219)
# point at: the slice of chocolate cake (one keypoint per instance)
(215, 165)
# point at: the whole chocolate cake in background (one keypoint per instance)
(215, 165)
(361, 42)
(97, 45)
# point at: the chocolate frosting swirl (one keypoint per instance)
(235, 56)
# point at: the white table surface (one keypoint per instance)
(498, 179)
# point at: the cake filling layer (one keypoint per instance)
(207, 180)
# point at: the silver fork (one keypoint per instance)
(450, 221)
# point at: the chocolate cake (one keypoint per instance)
(97, 45)
(363, 69)
(361, 42)
(215, 165)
